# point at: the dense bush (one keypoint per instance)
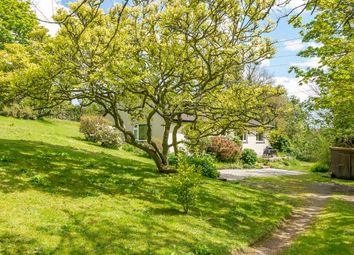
(224, 149)
(89, 124)
(320, 167)
(248, 157)
(97, 129)
(200, 147)
(204, 162)
(172, 159)
(279, 141)
(108, 136)
(186, 184)
(19, 111)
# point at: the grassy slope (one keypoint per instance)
(62, 195)
(331, 233)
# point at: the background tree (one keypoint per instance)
(16, 21)
(332, 29)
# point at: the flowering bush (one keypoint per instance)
(88, 126)
(224, 149)
(97, 129)
(108, 136)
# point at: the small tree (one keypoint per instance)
(186, 183)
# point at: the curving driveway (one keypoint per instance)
(236, 174)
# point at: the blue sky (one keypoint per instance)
(288, 44)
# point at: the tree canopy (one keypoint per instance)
(332, 29)
(166, 59)
(16, 21)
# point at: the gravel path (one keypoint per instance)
(235, 174)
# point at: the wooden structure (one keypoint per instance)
(342, 162)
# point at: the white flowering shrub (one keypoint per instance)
(108, 136)
(98, 129)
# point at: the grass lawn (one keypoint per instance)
(292, 165)
(331, 233)
(62, 195)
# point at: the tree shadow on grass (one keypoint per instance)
(237, 213)
(70, 172)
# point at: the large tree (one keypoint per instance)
(332, 29)
(165, 58)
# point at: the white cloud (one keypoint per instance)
(314, 62)
(293, 88)
(265, 62)
(44, 10)
(297, 45)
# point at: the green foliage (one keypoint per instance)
(172, 159)
(205, 162)
(320, 167)
(201, 249)
(237, 140)
(248, 157)
(40, 180)
(279, 141)
(19, 111)
(186, 183)
(224, 149)
(17, 19)
(66, 111)
(332, 30)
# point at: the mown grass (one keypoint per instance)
(292, 164)
(62, 195)
(331, 233)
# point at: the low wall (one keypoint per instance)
(342, 162)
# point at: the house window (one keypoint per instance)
(140, 132)
(244, 137)
(260, 138)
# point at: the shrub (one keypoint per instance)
(172, 159)
(97, 129)
(224, 149)
(279, 141)
(204, 162)
(108, 136)
(237, 140)
(320, 167)
(186, 184)
(88, 126)
(19, 111)
(249, 157)
(202, 146)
